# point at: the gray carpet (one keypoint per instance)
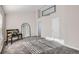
(37, 45)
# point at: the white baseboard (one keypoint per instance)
(54, 39)
(61, 41)
(71, 47)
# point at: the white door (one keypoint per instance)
(56, 27)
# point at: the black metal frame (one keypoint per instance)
(54, 6)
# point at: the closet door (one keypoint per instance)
(26, 30)
(56, 27)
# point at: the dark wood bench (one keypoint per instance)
(11, 33)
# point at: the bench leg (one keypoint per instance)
(11, 40)
(21, 37)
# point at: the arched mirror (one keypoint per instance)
(26, 30)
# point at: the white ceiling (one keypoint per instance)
(20, 8)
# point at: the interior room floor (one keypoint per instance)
(36, 45)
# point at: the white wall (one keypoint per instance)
(3, 27)
(69, 24)
(69, 16)
(14, 21)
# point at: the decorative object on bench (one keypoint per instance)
(25, 30)
(11, 33)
